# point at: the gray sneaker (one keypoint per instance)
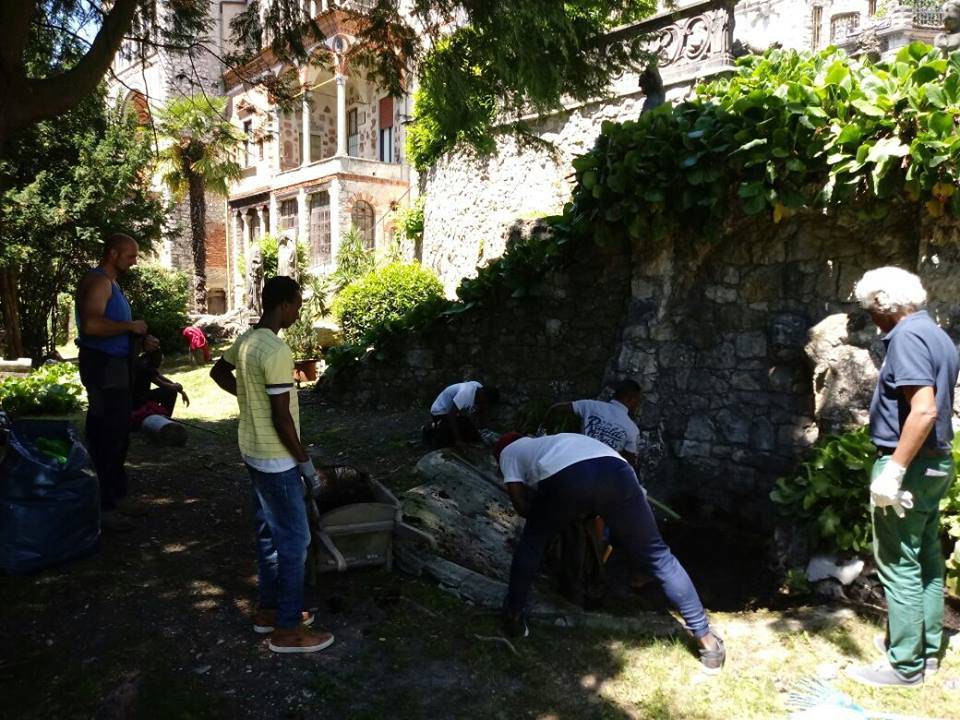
(712, 660)
(881, 674)
(931, 665)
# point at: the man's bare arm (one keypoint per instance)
(919, 422)
(92, 298)
(285, 427)
(519, 496)
(222, 374)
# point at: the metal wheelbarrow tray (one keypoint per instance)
(356, 523)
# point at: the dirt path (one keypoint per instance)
(160, 619)
(160, 616)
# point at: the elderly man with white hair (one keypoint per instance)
(910, 423)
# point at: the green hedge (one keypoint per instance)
(383, 299)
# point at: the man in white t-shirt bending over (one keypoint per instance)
(456, 412)
(554, 479)
(608, 422)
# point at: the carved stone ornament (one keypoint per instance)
(950, 40)
(695, 38)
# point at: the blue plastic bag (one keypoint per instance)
(49, 511)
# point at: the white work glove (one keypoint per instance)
(312, 479)
(885, 489)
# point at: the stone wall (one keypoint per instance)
(715, 334)
(555, 346)
(472, 202)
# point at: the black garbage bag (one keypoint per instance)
(49, 496)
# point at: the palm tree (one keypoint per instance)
(199, 154)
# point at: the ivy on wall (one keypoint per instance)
(788, 131)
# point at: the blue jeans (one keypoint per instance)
(283, 535)
(607, 487)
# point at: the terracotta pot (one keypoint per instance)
(305, 370)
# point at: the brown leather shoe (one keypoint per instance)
(299, 640)
(266, 618)
(113, 521)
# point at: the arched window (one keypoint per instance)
(362, 218)
(136, 102)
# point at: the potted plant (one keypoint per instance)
(303, 341)
(302, 338)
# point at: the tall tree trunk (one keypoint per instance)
(198, 227)
(10, 305)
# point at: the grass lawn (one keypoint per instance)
(165, 610)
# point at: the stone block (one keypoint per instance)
(763, 434)
(751, 345)
(675, 355)
(720, 294)
(644, 289)
(721, 357)
(700, 427)
(553, 327)
(745, 381)
(733, 426)
(662, 332)
(420, 358)
(693, 448)
(632, 333)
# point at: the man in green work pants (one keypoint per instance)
(910, 423)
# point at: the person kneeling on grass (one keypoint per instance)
(554, 479)
(269, 435)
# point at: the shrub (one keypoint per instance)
(829, 494)
(384, 298)
(353, 260)
(301, 336)
(49, 390)
(159, 297)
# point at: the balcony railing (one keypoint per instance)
(926, 13)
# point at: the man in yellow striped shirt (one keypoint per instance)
(258, 369)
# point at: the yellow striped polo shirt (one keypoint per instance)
(264, 367)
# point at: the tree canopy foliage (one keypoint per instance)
(67, 183)
(513, 60)
(481, 59)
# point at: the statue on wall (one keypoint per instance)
(786, 336)
(652, 86)
(287, 255)
(950, 40)
(254, 278)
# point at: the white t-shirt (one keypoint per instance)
(530, 460)
(608, 422)
(460, 396)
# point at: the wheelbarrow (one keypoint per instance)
(354, 523)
